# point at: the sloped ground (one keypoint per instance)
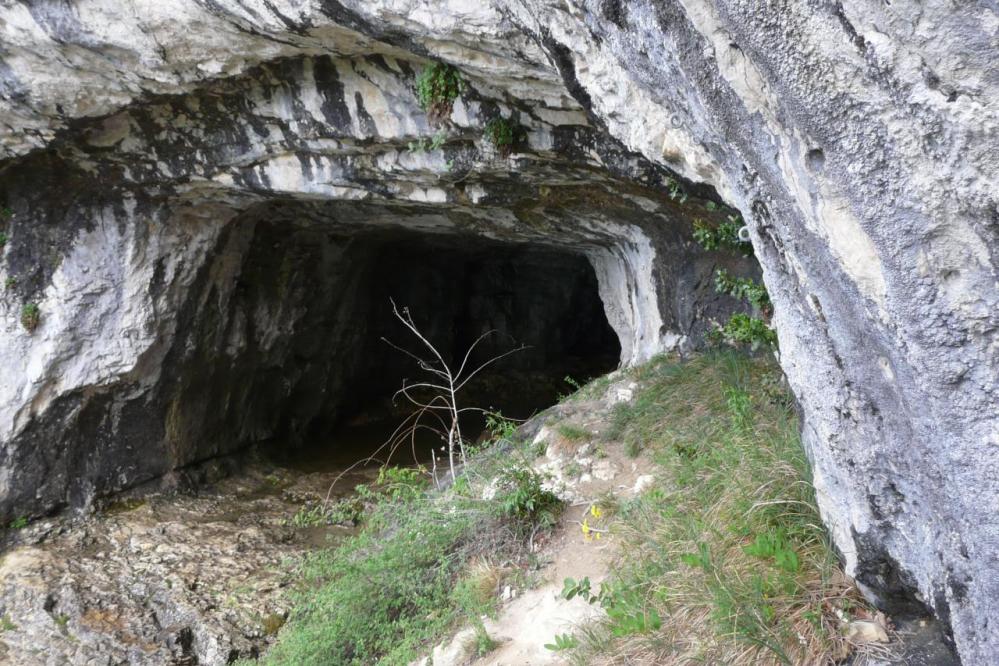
(703, 533)
(687, 510)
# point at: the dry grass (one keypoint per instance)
(732, 554)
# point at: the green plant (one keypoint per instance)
(724, 235)
(571, 588)
(562, 643)
(676, 191)
(424, 144)
(745, 289)
(744, 329)
(402, 482)
(574, 385)
(775, 545)
(573, 432)
(627, 612)
(503, 134)
(31, 316)
(499, 428)
(6, 624)
(437, 86)
(10, 282)
(740, 405)
(526, 501)
(19, 523)
(3, 240)
(347, 511)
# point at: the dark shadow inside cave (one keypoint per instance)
(343, 374)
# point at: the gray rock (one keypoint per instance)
(153, 157)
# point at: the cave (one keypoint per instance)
(314, 380)
(205, 209)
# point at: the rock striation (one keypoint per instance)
(150, 150)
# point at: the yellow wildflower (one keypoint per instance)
(595, 511)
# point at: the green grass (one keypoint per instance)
(31, 316)
(730, 553)
(414, 572)
(573, 432)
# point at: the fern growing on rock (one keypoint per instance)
(503, 134)
(437, 86)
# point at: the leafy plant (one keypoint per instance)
(744, 329)
(10, 282)
(500, 428)
(562, 643)
(526, 500)
(347, 511)
(725, 235)
(503, 134)
(676, 191)
(437, 86)
(31, 316)
(571, 588)
(19, 523)
(774, 545)
(701, 559)
(6, 624)
(626, 611)
(424, 144)
(745, 289)
(3, 240)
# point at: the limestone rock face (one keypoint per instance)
(152, 152)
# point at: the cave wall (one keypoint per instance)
(858, 138)
(133, 231)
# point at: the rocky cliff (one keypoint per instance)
(152, 152)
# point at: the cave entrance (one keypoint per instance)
(457, 288)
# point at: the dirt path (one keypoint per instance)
(584, 469)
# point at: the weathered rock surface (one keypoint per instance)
(143, 143)
(174, 579)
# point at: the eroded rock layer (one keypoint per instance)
(143, 145)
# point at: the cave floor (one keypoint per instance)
(168, 576)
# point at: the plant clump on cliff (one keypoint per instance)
(503, 134)
(741, 328)
(437, 87)
(31, 316)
